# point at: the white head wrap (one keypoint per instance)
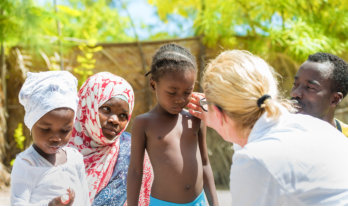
(45, 91)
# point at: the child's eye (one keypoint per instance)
(171, 93)
(65, 131)
(45, 129)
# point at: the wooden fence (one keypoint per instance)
(131, 61)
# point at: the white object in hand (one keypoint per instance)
(189, 123)
(65, 199)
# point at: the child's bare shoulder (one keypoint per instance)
(142, 119)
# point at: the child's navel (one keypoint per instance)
(187, 187)
(159, 137)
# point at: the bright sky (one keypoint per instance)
(143, 13)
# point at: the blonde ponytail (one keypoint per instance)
(270, 106)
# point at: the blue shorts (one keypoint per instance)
(199, 201)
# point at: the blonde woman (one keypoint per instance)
(285, 158)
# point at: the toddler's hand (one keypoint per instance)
(64, 200)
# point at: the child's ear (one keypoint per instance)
(152, 84)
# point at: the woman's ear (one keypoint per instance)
(219, 114)
(152, 84)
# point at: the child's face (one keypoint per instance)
(113, 117)
(173, 90)
(53, 130)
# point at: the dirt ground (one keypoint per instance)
(223, 196)
(5, 197)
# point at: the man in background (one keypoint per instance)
(320, 85)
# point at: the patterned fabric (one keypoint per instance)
(115, 193)
(342, 127)
(100, 154)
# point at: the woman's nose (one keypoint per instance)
(113, 119)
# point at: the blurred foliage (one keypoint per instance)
(19, 138)
(47, 28)
(84, 19)
(86, 61)
(27, 24)
(21, 23)
(296, 28)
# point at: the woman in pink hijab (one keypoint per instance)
(105, 107)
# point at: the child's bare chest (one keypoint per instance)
(174, 151)
(164, 132)
(172, 137)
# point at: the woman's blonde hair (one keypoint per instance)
(235, 80)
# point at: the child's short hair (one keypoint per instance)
(45, 91)
(169, 58)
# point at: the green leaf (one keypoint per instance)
(19, 137)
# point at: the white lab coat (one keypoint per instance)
(297, 160)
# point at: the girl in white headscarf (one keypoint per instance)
(48, 172)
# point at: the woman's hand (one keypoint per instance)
(64, 200)
(195, 107)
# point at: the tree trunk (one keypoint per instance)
(4, 174)
(148, 93)
(17, 62)
(61, 62)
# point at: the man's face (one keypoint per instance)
(312, 89)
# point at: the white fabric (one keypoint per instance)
(299, 160)
(35, 181)
(44, 91)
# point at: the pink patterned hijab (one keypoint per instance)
(100, 154)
